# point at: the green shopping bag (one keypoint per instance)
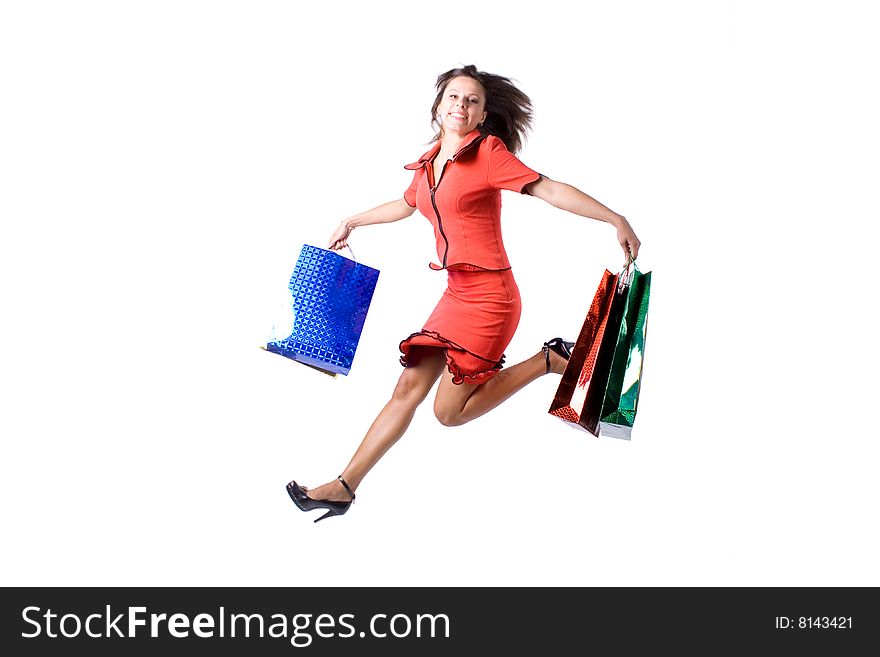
(622, 390)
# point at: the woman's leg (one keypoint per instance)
(413, 386)
(458, 404)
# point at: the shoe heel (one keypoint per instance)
(330, 512)
(558, 346)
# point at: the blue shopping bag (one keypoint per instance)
(331, 297)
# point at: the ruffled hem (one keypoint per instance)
(463, 266)
(458, 377)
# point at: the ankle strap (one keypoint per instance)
(345, 485)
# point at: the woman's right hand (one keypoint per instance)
(339, 238)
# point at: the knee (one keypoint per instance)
(448, 417)
(410, 388)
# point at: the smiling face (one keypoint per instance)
(462, 106)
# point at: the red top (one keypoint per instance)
(464, 206)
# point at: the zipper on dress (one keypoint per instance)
(434, 189)
(437, 212)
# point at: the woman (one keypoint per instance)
(482, 120)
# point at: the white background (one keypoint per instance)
(161, 163)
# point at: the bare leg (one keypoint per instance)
(458, 404)
(413, 386)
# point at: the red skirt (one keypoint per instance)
(474, 322)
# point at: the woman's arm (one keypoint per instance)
(383, 214)
(566, 197)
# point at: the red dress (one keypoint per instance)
(478, 313)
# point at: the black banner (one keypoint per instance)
(434, 621)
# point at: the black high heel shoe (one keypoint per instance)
(306, 503)
(558, 345)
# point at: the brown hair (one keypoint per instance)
(508, 110)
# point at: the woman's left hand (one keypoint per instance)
(628, 240)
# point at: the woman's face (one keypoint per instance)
(463, 105)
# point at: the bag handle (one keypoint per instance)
(350, 251)
(625, 278)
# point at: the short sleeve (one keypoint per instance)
(410, 194)
(505, 169)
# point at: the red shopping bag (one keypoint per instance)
(581, 391)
